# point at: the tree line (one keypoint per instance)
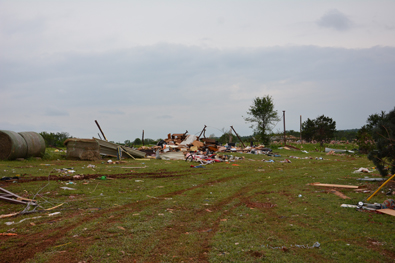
(376, 137)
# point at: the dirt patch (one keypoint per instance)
(95, 176)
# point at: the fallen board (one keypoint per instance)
(387, 211)
(338, 185)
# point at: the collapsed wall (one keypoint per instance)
(82, 149)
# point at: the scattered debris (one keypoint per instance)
(378, 179)
(67, 188)
(11, 223)
(327, 150)
(172, 156)
(315, 245)
(134, 167)
(362, 170)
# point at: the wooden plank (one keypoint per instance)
(8, 192)
(387, 211)
(6, 195)
(8, 215)
(338, 185)
(16, 201)
(26, 199)
(54, 207)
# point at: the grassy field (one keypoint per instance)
(243, 211)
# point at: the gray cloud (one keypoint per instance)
(112, 112)
(56, 112)
(336, 20)
(179, 88)
(164, 117)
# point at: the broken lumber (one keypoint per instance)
(14, 198)
(9, 215)
(338, 185)
(387, 211)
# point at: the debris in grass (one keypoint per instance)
(9, 215)
(67, 188)
(362, 170)
(372, 179)
(53, 214)
(315, 245)
(387, 211)
(197, 166)
(141, 167)
(339, 194)
(122, 228)
(8, 234)
(8, 196)
(11, 223)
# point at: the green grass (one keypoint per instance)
(169, 212)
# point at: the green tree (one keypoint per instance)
(262, 117)
(321, 129)
(308, 130)
(364, 136)
(364, 140)
(326, 128)
(55, 139)
(137, 141)
(374, 119)
(148, 141)
(384, 137)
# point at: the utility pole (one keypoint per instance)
(237, 136)
(285, 139)
(104, 136)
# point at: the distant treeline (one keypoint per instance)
(58, 139)
(340, 135)
(55, 139)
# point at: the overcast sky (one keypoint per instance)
(171, 66)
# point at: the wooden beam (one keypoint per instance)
(387, 211)
(338, 185)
